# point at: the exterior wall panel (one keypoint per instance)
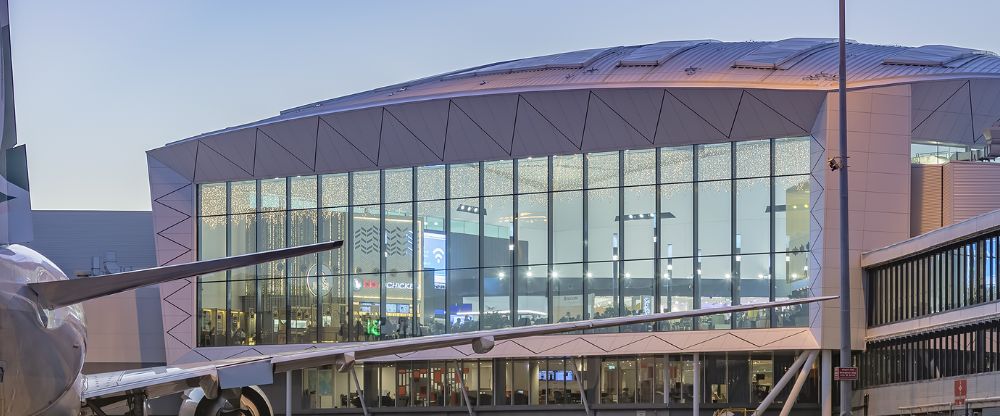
(926, 198)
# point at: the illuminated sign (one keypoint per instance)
(435, 256)
(399, 285)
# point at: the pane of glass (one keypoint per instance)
(365, 188)
(681, 378)
(332, 227)
(753, 216)
(532, 229)
(496, 298)
(212, 199)
(602, 224)
(398, 238)
(521, 381)
(498, 177)
(242, 197)
(754, 287)
(791, 155)
(463, 237)
(716, 386)
(609, 381)
(716, 283)
(243, 302)
(791, 216)
(677, 290)
(532, 295)
(761, 376)
(271, 235)
(714, 161)
(464, 180)
(398, 305)
(366, 247)
(399, 185)
(272, 311)
(303, 304)
(532, 175)
(433, 279)
(567, 292)
(640, 167)
(498, 231)
(646, 370)
(753, 159)
(212, 243)
(302, 230)
(602, 291)
(602, 170)
(242, 240)
(213, 313)
(567, 172)
(640, 223)
(791, 281)
(272, 195)
(334, 190)
(430, 182)
(366, 306)
(567, 227)
(714, 218)
(627, 380)
(333, 303)
(303, 192)
(637, 291)
(676, 164)
(463, 300)
(485, 383)
(677, 220)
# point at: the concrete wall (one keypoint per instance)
(879, 165)
(123, 330)
(933, 395)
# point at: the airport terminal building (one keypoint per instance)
(615, 181)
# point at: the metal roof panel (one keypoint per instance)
(783, 53)
(658, 53)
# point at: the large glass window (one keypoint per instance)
(493, 244)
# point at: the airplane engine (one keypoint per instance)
(248, 401)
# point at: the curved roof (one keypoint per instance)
(795, 63)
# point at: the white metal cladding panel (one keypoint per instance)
(973, 188)
(925, 198)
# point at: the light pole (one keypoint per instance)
(845, 273)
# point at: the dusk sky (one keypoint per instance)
(98, 83)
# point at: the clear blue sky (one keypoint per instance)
(98, 83)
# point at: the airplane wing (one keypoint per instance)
(61, 293)
(242, 372)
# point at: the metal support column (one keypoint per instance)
(845, 262)
(465, 391)
(780, 385)
(826, 385)
(696, 405)
(794, 394)
(361, 392)
(288, 393)
(579, 384)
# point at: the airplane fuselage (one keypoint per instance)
(41, 351)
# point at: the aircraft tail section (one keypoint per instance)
(15, 203)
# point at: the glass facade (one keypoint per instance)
(961, 351)
(462, 247)
(947, 278)
(735, 379)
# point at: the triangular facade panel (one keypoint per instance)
(213, 166)
(467, 141)
(495, 114)
(577, 347)
(640, 107)
(799, 107)
(401, 148)
(566, 110)
(716, 106)
(236, 146)
(679, 124)
(534, 135)
(334, 153)
(360, 127)
(925, 97)
(607, 130)
(298, 136)
(274, 161)
(178, 156)
(427, 120)
(950, 121)
(985, 104)
(755, 120)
